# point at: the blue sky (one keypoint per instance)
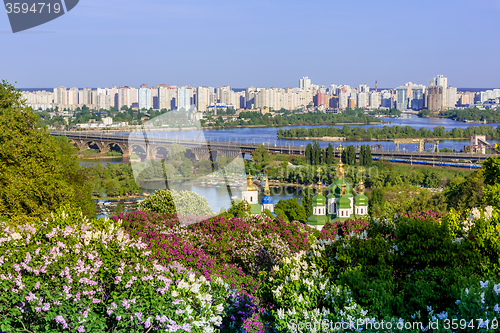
(103, 43)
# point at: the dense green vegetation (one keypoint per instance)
(115, 180)
(473, 114)
(356, 116)
(38, 173)
(388, 132)
(389, 112)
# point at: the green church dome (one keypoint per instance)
(335, 188)
(319, 200)
(344, 202)
(361, 200)
(349, 190)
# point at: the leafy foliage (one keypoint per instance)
(38, 173)
(387, 132)
(70, 273)
(182, 203)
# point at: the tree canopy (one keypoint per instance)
(38, 173)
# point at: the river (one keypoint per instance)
(218, 197)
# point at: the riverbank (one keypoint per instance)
(335, 138)
(98, 157)
(286, 125)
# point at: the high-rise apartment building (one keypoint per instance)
(184, 96)
(167, 97)
(362, 100)
(304, 83)
(402, 94)
(202, 98)
(441, 97)
(435, 98)
(363, 88)
(417, 97)
(145, 98)
(374, 100)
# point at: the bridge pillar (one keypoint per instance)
(81, 144)
(103, 146)
(421, 145)
(201, 153)
(150, 151)
(124, 148)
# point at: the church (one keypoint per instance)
(251, 198)
(342, 202)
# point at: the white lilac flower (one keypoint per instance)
(443, 315)
(195, 288)
(484, 284)
(488, 212)
(281, 314)
(496, 288)
(217, 320)
(476, 213)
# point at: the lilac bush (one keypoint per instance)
(344, 228)
(71, 273)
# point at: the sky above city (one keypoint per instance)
(266, 43)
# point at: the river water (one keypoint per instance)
(219, 197)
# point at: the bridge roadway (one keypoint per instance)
(205, 149)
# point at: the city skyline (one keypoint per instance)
(262, 43)
(410, 96)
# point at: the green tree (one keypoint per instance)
(38, 172)
(261, 155)
(293, 210)
(362, 153)
(112, 187)
(350, 152)
(316, 153)
(367, 157)
(309, 153)
(186, 168)
(308, 195)
(329, 154)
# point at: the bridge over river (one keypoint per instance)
(151, 147)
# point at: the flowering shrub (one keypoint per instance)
(343, 228)
(183, 203)
(477, 309)
(429, 215)
(254, 243)
(71, 273)
(135, 222)
(301, 292)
